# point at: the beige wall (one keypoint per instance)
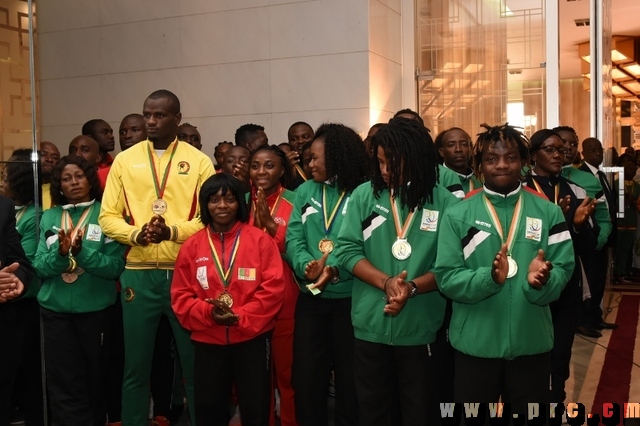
(270, 62)
(574, 107)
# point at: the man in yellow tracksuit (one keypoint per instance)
(155, 184)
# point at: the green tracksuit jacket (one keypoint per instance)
(591, 184)
(101, 258)
(510, 320)
(306, 229)
(368, 231)
(26, 227)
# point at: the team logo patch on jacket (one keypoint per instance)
(183, 168)
(247, 274)
(280, 221)
(534, 229)
(429, 220)
(371, 223)
(201, 276)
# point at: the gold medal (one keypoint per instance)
(128, 294)
(513, 267)
(225, 297)
(401, 249)
(159, 207)
(325, 245)
(69, 277)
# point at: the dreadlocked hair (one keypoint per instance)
(345, 156)
(411, 157)
(504, 133)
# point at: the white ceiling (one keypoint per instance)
(625, 21)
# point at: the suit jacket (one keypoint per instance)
(10, 248)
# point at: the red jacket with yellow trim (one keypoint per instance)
(255, 283)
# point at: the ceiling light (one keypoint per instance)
(473, 68)
(619, 75)
(633, 69)
(633, 86)
(620, 92)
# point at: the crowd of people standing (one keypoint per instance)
(412, 271)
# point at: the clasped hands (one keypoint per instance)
(10, 285)
(318, 271)
(537, 276)
(155, 231)
(222, 314)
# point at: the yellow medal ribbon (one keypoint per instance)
(517, 212)
(329, 222)
(224, 274)
(301, 172)
(401, 229)
(539, 189)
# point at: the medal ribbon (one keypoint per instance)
(20, 213)
(328, 223)
(160, 187)
(517, 212)
(224, 275)
(273, 209)
(66, 222)
(401, 230)
(539, 189)
(301, 172)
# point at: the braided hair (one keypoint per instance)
(411, 157)
(504, 133)
(286, 165)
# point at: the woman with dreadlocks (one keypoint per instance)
(388, 242)
(504, 254)
(323, 333)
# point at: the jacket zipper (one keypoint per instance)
(224, 288)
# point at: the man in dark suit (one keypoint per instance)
(593, 155)
(15, 274)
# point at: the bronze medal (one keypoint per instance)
(69, 277)
(159, 207)
(226, 298)
(325, 245)
(128, 294)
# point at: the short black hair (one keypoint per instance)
(286, 177)
(438, 141)
(407, 145)
(222, 182)
(89, 128)
(415, 115)
(299, 123)
(134, 115)
(345, 155)
(493, 134)
(539, 137)
(245, 131)
(566, 129)
(20, 175)
(166, 94)
(95, 190)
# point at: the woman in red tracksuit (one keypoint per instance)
(227, 289)
(271, 206)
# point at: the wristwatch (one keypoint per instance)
(414, 290)
(336, 275)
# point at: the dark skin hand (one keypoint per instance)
(157, 230)
(500, 266)
(397, 292)
(241, 171)
(66, 245)
(221, 313)
(584, 211)
(565, 203)
(10, 285)
(539, 270)
(262, 218)
(317, 271)
(141, 238)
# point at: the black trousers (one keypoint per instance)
(163, 369)
(115, 365)
(595, 266)
(322, 338)
(564, 314)
(392, 384)
(76, 352)
(218, 367)
(520, 381)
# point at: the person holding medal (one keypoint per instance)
(504, 254)
(227, 290)
(155, 184)
(323, 334)
(388, 242)
(547, 158)
(271, 207)
(79, 265)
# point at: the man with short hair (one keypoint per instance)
(49, 156)
(102, 133)
(87, 148)
(189, 133)
(132, 130)
(251, 136)
(298, 135)
(156, 184)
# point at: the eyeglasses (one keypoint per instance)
(551, 149)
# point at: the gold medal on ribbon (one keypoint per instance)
(401, 249)
(325, 245)
(69, 277)
(128, 294)
(225, 297)
(159, 206)
(513, 267)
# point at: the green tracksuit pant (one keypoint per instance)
(145, 298)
